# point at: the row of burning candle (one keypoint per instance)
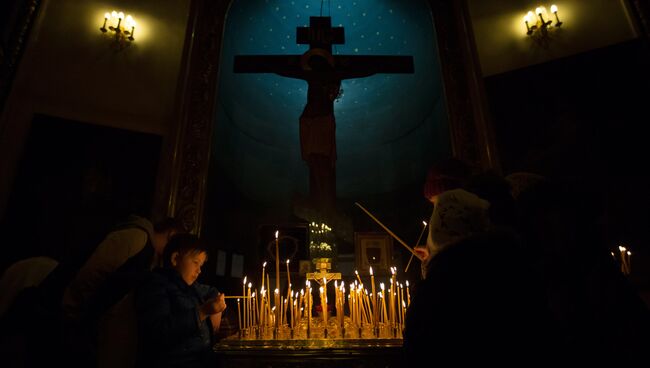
(387, 307)
(624, 256)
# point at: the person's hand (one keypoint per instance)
(422, 253)
(213, 306)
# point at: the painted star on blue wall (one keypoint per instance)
(389, 127)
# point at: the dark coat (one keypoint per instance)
(170, 333)
(479, 302)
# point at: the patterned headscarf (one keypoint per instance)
(457, 215)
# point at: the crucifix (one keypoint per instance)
(323, 73)
(323, 276)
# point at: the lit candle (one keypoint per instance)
(383, 301)
(424, 226)
(254, 309)
(323, 306)
(277, 262)
(308, 308)
(622, 251)
(243, 292)
(374, 298)
(526, 22)
(392, 299)
(239, 313)
(107, 16)
(268, 291)
(540, 11)
(557, 18)
(276, 307)
(288, 275)
(262, 301)
(250, 306)
(277, 278)
(408, 294)
(358, 278)
(263, 268)
(629, 264)
(120, 16)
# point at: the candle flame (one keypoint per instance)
(370, 270)
(424, 223)
(264, 264)
(407, 283)
(276, 234)
(288, 261)
(277, 291)
(250, 284)
(245, 280)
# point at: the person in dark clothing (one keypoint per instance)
(597, 314)
(177, 316)
(98, 307)
(479, 300)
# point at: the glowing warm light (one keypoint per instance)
(538, 10)
(553, 8)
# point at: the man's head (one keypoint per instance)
(185, 253)
(163, 232)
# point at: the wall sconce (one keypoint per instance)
(540, 21)
(124, 28)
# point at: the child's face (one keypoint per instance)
(189, 265)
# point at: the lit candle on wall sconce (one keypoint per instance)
(107, 16)
(528, 30)
(538, 23)
(540, 11)
(113, 16)
(124, 27)
(557, 19)
(130, 23)
(120, 16)
(530, 18)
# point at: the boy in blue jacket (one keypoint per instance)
(177, 316)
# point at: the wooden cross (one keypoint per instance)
(323, 73)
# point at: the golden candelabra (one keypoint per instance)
(356, 313)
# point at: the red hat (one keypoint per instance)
(447, 175)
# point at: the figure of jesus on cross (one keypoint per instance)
(323, 73)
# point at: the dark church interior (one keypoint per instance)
(317, 143)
